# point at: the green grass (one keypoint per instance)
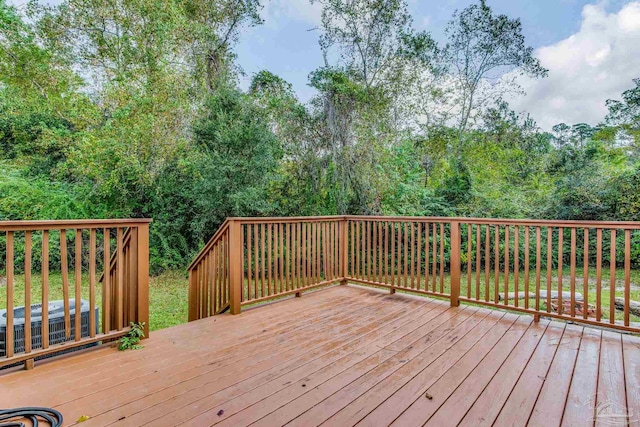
(168, 295)
(566, 286)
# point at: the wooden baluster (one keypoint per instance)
(309, 253)
(572, 270)
(263, 253)
(585, 275)
(538, 266)
(215, 278)
(413, 254)
(270, 282)
(65, 282)
(455, 263)
(204, 302)
(249, 265)
(379, 249)
(329, 249)
(337, 251)
(363, 251)
(627, 275)
(560, 262)
(280, 258)
(318, 249)
(369, 252)
(308, 246)
(526, 266)
(45, 289)
(253, 229)
(357, 249)
(506, 264)
(27, 292)
(393, 254)
(78, 295)
(426, 256)
(297, 256)
(386, 253)
(549, 266)
(469, 249)
(434, 256)
(312, 252)
(405, 247)
(478, 260)
(92, 282)
(496, 267)
(516, 264)
(106, 283)
(119, 289)
(233, 261)
(219, 276)
(442, 258)
(612, 279)
(289, 263)
(9, 336)
(598, 274)
(374, 252)
(352, 246)
(419, 257)
(487, 260)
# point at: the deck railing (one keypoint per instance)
(518, 265)
(39, 258)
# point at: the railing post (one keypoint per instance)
(235, 266)
(344, 250)
(142, 287)
(454, 261)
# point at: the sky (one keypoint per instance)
(591, 48)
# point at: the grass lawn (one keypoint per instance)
(566, 286)
(168, 295)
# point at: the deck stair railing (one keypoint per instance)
(571, 270)
(46, 261)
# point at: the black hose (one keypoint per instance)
(12, 417)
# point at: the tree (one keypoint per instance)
(482, 47)
(238, 157)
(624, 116)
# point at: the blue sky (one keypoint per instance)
(287, 45)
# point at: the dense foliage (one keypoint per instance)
(112, 108)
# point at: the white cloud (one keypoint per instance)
(276, 11)
(595, 64)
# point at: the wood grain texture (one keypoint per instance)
(342, 356)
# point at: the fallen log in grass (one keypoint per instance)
(543, 295)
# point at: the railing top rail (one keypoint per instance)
(71, 223)
(210, 243)
(281, 219)
(632, 225)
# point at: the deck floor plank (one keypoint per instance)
(197, 392)
(523, 397)
(580, 402)
(631, 354)
(611, 399)
(195, 348)
(342, 356)
(436, 389)
(558, 380)
(422, 368)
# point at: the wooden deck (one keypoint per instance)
(345, 356)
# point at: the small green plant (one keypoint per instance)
(132, 339)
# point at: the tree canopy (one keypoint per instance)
(112, 108)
